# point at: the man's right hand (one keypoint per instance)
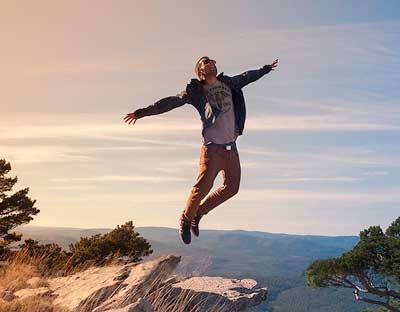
(130, 117)
(274, 64)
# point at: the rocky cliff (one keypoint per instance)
(147, 286)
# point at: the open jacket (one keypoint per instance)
(194, 94)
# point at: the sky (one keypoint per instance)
(320, 151)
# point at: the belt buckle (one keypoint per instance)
(228, 147)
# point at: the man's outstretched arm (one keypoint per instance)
(161, 106)
(250, 76)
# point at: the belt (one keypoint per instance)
(227, 146)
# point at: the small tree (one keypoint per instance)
(123, 241)
(122, 244)
(15, 209)
(371, 268)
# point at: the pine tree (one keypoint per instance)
(371, 268)
(15, 209)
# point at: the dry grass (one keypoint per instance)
(14, 276)
(38, 264)
(31, 304)
(164, 297)
(18, 271)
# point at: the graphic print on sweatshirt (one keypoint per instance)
(220, 108)
(219, 97)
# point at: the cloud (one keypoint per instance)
(81, 129)
(324, 156)
(375, 173)
(72, 187)
(43, 153)
(272, 198)
(304, 197)
(319, 179)
(78, 127)
(314, 123)
(316, 42)
(119, 178)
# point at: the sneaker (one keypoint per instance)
(184, 231)
(195, 225)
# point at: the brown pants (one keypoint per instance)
(213, 159)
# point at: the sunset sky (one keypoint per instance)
(320, 152)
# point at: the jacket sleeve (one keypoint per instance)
(249, 76)
(163, 105)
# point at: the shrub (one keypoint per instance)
(98, 249)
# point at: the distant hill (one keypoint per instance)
(275, 260)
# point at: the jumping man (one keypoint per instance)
(221, 105)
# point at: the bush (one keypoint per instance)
(123, 244)
(123, 241)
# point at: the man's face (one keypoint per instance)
(207, 68)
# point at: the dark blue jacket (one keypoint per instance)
(194, 94)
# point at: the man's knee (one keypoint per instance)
(202, 187)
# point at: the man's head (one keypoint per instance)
(205, 67)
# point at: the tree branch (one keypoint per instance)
(375, 291)
(377, 302)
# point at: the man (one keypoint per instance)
(221, 105)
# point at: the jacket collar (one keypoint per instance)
(196, 81)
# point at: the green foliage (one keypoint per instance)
(391, 263)
(319, 273)
(15, 209)
(372, 266)
(376, 251)
(123, 241)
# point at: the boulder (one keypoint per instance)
(32, 292)
(133, 283)
(35, 282)
(232, 294)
